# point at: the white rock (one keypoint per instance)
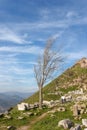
(66, 123)
(78, 127)
(23, 106)
(84, 122)
(85, 128)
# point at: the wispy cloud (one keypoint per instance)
(23, 35)
(6, 34)
(72, 14)
(76, 55)
(30, 49)
(13, 31)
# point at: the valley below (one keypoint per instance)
(10, 99)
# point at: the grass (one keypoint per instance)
(14, 121)
(49, 122)
(65, 79)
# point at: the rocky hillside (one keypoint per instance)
(72, 79)
(65, 104)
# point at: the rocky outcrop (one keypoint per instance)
(83, 63)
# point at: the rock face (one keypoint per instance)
(83, 63)
(66, 123)
(84, 122)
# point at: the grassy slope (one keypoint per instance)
(49, 122)
(65, 79)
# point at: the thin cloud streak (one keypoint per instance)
(31, 49)
(7, 34)
(12, 32)
(75, 55)
(23, 37)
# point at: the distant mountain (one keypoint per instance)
(10, 99)
(20, 94)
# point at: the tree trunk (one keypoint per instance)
(40, 97)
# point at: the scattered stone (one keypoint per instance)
(52, 115)
(11, 128)
(31, 106)
(66, 123)
(68, 98)
(63, 99)
(80, 117)
(76, 118)
(20, 118)
(84, 122)
(82, 111)
(52, 111)
(8, 117)
(23, 106)
(78, 127)
(49, 104)
(35, 113)
(62, 109)
(36, 105)
(83, 106)
(75, 110)
(30, 113)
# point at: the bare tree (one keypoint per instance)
(47, 65)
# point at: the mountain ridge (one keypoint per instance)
(10, 99)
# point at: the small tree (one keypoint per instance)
(47, 65)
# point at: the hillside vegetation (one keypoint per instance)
(72, 79)
(70, 83)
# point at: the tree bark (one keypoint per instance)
(40, 98)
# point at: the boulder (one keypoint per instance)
(77, 127)
(84, 122)
(23, 106)
(75, 110)
(66, 123)
(11, 128)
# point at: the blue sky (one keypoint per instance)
(25, 26)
